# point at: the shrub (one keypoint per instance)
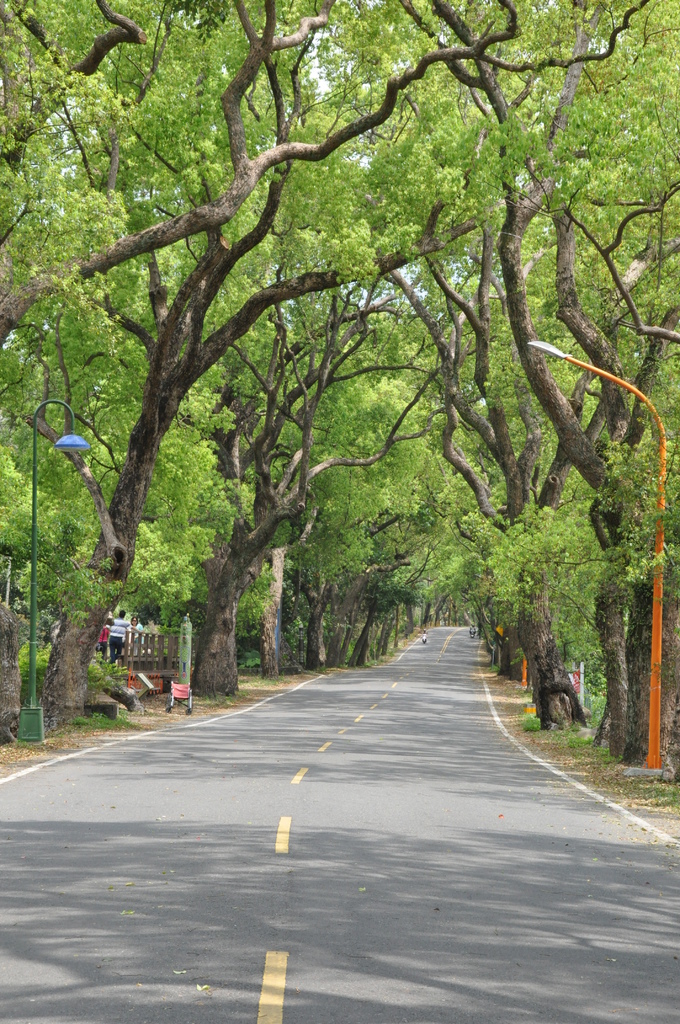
(100, 672)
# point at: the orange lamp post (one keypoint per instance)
(654, 746)
(525, 681)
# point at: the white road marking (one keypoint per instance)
(640, 822)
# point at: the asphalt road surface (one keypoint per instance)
(432, 874)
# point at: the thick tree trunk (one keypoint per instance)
(230, 572)
(229, 575)
(511, 663)
(269, 665)
(554, 696)
(316, 649)
(409, 619)
(671, 765)
(427, 610)
(10, 678)
(609, 619)
(603, 729)
(216, 667)
(440, 609)
(638, 648)
(670, 664)
(372, 638)
(341, 614)
(65, 686)
(638, 651)
(384, 642)
(347, 639)
(317, 600)
(362, 645)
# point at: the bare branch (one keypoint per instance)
(307, 25)
(393, 438)
(158, 54)
(125, 31)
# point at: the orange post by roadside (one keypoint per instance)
(654, 746)
(525, 682)
(654, 749)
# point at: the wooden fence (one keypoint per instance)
(156, 655)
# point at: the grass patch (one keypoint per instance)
(104, 723)
(574, 741)
(530, 723)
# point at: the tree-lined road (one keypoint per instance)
(433, 873)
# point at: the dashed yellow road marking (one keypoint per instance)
(384, 695)
(273, 988)
(394, 684)
(372, 706)
(446, 644)
(325, 747)
(340, 731)
(359, 718)
(283, 836)
(298, 778)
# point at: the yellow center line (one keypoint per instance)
(372, 706)
(394, 684)
(273, 988)
(298, 778)
(325, 747)
(340, 731)
(384, 695)
(283, 836)
(446, 644)
(359, 718)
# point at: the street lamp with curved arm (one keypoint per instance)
(654, 746)
(31, 725)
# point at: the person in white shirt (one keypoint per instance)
(117, 636)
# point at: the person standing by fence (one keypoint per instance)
(103, 641)
(136, 633)
(117, 636)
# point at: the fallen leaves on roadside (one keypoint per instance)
(179, 972)
(127, 912)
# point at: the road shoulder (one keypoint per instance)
(571, 751)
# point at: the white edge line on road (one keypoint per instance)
(407, 650)
(640, 822)
(150, 735)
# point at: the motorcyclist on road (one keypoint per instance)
(473, 631)
(424, 636)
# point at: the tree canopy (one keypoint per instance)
(285, 265)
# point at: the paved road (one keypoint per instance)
(433, 874)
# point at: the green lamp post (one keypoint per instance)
(31, 727)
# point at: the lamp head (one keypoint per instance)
(549, 350)
(72, 443)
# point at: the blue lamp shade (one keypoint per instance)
(72, 443)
